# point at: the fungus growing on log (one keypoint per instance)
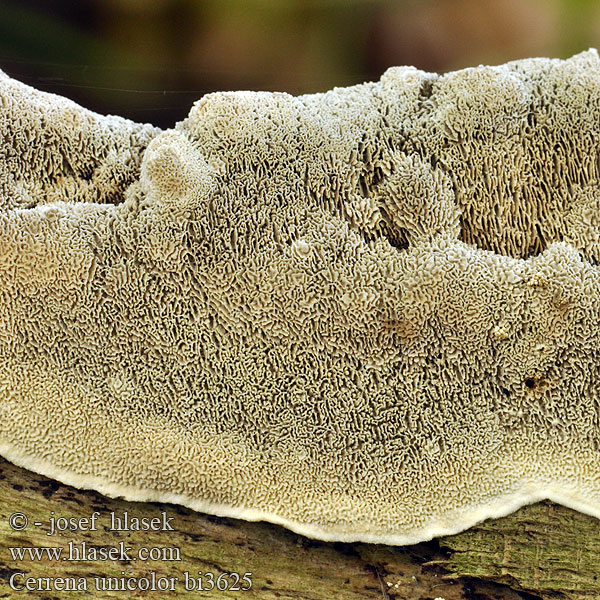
(370, 314)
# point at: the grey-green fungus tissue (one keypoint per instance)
(371, 314)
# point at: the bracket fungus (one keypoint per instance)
(368, 314)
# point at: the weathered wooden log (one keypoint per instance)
(545, 551)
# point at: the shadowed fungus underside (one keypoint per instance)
(369, 314)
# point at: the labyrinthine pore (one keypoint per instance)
(369, 314)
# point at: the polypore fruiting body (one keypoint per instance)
(370, 314)
(54, 150)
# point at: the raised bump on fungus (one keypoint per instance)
(370, 314)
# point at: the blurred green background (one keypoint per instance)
(149, 60)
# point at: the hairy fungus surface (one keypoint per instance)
(369, 314)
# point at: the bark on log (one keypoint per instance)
(542, 551)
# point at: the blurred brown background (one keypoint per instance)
(149, 60)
